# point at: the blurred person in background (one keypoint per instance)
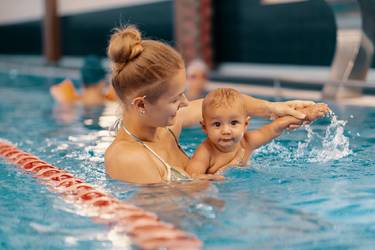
(94, 90)
(196, 72)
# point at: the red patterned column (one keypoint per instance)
(193, 29)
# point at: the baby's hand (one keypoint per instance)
(316, 111)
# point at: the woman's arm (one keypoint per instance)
(192, 114)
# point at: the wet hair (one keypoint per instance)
(223, 97)
(141, 67)
(92, 71)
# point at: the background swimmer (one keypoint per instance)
(94, 90)
(196, 76)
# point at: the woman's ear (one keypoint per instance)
(139, 104)
(247, 121)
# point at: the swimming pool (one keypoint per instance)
(310, 189)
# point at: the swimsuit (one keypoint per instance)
(173, 174)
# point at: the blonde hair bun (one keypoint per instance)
(125, 45)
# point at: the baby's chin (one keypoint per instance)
(226, 147)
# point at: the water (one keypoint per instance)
(310, 189)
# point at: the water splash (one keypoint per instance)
(319, 145)
(333, 145)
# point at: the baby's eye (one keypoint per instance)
(235, 122)
(216, 124)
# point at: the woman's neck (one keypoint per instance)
(139, 129)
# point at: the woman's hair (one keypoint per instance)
(223, 97)
(141, 67)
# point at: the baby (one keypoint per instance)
(228, 142)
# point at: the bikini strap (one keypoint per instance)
(169, 173)
(178, 144)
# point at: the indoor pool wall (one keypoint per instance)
(300, 192)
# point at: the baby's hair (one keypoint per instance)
(223, 97)
(141, 67)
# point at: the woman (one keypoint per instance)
(149, 79)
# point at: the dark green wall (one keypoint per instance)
(244, 31)
(299, 33)
(88, 33)
(22, 38)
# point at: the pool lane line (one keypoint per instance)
(144, 228)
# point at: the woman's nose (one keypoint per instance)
(184, 101)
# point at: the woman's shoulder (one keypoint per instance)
(129, 162)
(122, 151)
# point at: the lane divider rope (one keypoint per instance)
(144, 228)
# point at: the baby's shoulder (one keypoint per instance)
(205, 146)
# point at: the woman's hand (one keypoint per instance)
(208, 177)
(279, 109)
(312, 113)
(316, 111)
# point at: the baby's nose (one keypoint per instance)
(225, 129)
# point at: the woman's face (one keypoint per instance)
(163, 112)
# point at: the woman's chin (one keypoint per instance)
(171, 121)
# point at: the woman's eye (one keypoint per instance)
(234, 122)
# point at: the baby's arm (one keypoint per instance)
(200, 161)
(270, 131)
(199, 164)
(263, 135)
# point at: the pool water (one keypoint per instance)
(313, 188)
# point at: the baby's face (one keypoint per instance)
(225, 127)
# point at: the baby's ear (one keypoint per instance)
(203, 125)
